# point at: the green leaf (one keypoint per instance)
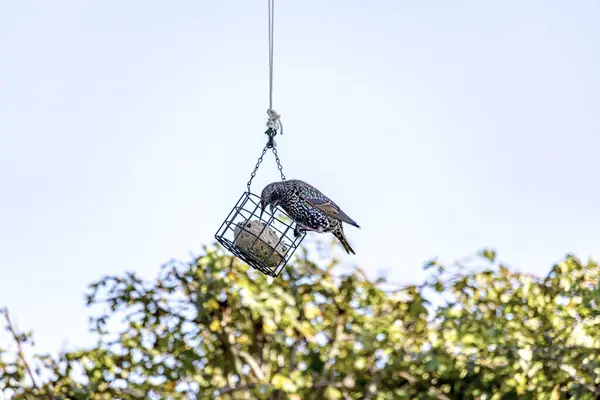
(283, 383)
(489, 254)
(360, 363)
(311, 311)
(430, 264)
(333, 394)
(555, 393)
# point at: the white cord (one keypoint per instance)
(274, 121)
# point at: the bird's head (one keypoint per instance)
(271, 194)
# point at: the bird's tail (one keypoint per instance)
(339, 234)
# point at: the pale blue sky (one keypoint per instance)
(129, 129)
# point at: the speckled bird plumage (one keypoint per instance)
(309, 208)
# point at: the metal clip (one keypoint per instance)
(271, 132)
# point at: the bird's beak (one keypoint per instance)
(263, 205)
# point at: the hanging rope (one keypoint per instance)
(274, 124)
(271, 31)
(274, 121)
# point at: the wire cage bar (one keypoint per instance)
(262, 239)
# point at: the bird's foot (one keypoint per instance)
(298, 231)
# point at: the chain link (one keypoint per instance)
(256, 167)
(260, 159)
(279, 166)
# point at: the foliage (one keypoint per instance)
(213, 328)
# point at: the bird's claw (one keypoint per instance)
(299, 231)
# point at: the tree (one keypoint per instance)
(215, 328)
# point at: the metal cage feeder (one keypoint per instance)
(260, 238)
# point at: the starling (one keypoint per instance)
(309, 208)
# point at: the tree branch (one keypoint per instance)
(578, 379)
(412, 380)
(231, 389)
(250, 386)
(372, 386)
(253, 365)
(21, 352)
(230, 350)
(333, 351)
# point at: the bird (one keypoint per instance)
(308, 207)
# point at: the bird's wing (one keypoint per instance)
(329, 208)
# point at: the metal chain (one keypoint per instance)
(256, 167)
(260, 159)
(279, 166)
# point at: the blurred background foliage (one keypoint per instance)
(214, 328)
